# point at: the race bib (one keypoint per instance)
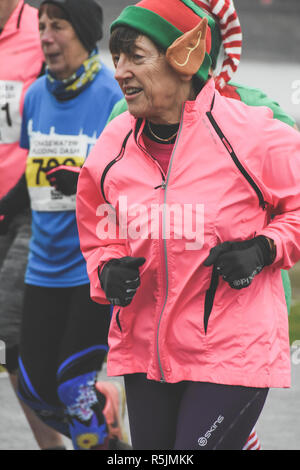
(48, 151)
(10, 118)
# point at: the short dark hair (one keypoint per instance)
(123, 39)
(53, 11)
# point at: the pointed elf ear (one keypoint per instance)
(187, 53)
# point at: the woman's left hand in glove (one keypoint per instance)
(64, 178)
(239, 262)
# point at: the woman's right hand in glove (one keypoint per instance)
(120, 279)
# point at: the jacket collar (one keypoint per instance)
(203, 102)
(13, 23)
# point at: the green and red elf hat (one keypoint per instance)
(165, 21)
(187, 31)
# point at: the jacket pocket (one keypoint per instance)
(118, 320)
(210, 296)
(235, 159)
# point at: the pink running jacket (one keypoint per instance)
(232, 167)
(21, 60)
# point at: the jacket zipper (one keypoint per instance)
(162, 187)
(163, 244)
(164, 254)
(234, 157)
(165, 277)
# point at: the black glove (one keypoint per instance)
(15, 201)
(64, 178)
(239, 262)
(4, 224)
(120, 279)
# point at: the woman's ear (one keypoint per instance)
(187, 53)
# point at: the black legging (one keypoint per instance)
(190, 415)
(57, 324)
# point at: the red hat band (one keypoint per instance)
(178, 14)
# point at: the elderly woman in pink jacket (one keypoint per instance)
(188, 207)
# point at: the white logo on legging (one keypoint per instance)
(202, 441)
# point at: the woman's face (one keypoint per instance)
(151, 88)
(64, 53)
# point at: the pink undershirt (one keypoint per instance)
(161, 152)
